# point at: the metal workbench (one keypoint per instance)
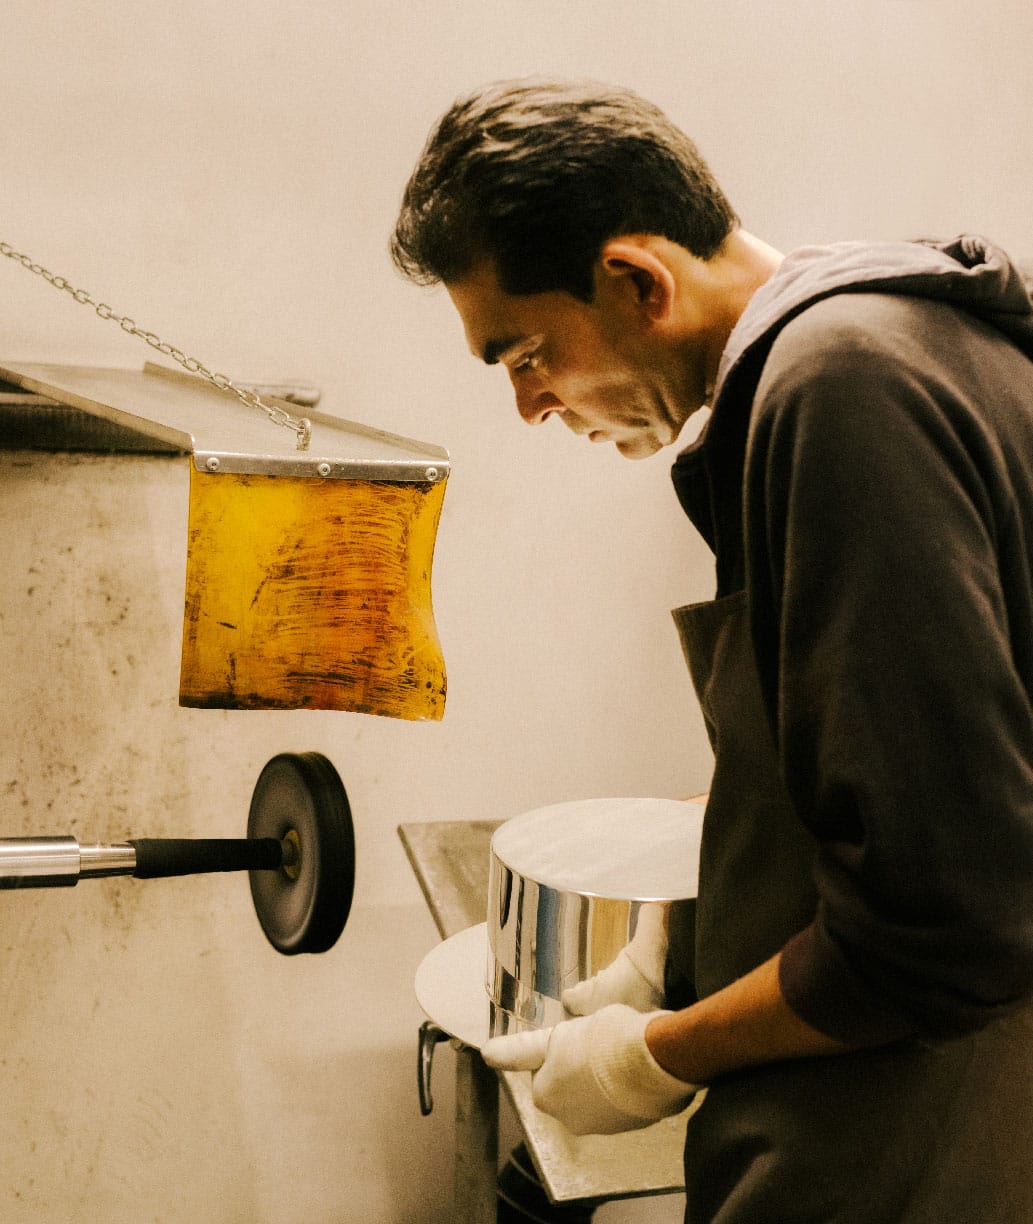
(450, 860)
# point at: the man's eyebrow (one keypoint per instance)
(494, 349)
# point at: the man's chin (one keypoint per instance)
(638, 447)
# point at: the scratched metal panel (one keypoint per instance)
(450, 860)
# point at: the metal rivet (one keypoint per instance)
(432, 473)
(324, 469)
(212, 464)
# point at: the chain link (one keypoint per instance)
(302, 426)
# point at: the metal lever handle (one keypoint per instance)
(430, 1035)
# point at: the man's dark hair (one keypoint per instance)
(538, 174)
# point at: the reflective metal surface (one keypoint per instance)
(54, 862)
(98, 860)
(38, 862)
(566, 886)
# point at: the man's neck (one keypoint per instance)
(719, 289)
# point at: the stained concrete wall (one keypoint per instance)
(228, 176)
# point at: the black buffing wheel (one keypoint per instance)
(299, 799)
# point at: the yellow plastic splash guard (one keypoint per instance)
(308, 593)
(308, 568)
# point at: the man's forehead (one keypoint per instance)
(489, 314)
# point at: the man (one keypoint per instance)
(857, 995)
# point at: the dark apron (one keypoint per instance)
(912, 1133)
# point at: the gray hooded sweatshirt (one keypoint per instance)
(866, 483)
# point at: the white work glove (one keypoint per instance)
(636, 975)
(594, 1074)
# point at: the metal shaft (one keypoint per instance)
(98, 860)
(55, 862)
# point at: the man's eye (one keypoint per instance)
(531, 362)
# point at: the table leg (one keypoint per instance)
(476, 1139)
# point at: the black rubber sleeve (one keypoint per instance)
(157, 857)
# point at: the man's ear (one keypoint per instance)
(643, 272)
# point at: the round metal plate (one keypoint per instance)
(450, 986)
(300, 798)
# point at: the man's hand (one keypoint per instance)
(636, 976)
(594, 1074)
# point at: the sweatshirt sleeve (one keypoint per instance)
(875, 506)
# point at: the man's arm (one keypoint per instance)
(888, 627)
(743, 1025)
(618, 1069)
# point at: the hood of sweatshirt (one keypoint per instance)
(969, 272)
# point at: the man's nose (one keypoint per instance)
(536, 406)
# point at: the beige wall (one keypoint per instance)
(227, 174)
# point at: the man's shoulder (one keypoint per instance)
(851, 340)
(846, 349)
(833, 328)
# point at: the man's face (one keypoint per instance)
(592, 365)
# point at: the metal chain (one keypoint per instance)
(302, 426)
